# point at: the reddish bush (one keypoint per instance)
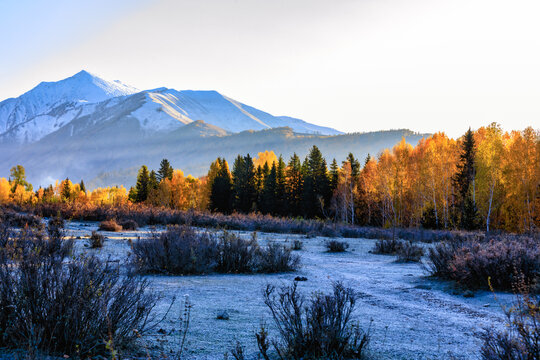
(504, 261)
(109, 225)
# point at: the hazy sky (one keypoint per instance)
(356, 65)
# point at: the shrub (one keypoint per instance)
(297, 245)
(129, 225)
(178, 250)
(505, 261)
(276, 258)
(20, 220)
(181, 250)
(96, 240)
(409, 252)
(521, 340)
(236, 255)
(73, 308)
(335, 246)
(316, 329)
(387, 247)
(110, 225)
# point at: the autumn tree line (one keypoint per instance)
(487, 179)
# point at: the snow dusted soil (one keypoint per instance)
(410, 315)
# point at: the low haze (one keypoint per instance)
(352, 65)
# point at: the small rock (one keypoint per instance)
(300, 278)
(222, 315)
(486, 305)
(161, 331)
(468, 294)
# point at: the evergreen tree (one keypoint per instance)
(244, 185)
(334, 175)
(83, 188)
(368, 159)
(294, 185)
(268, 205)
(281, 182)
(355, 165)
(316, 184)
(132, 194)
(165, 170)
(464, 183)
(221, 188)
(141, 188)
(153, 181)
(65, 192)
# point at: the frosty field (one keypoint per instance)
(410, 316)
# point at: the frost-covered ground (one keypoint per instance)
(410, 315)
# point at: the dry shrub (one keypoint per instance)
(336, 246)
(297, 245)
(129, 225)
(521, 339)
(110, 225)
(181, 250)
(147, 215)
(77, 308)
(20, 219)
(409, 252)
(96, 240)
(387, 247)
(504, 261)
(318, 328)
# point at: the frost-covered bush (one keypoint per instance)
(181, 250)
(110, 225)
(387, 247)
(276, 258)
(318, 328)
(521, 339)
(96, 240)
(335, 246)
(20, 219)
(503, 261)
(409, 252)
(71, 308)
(129, 225)
(297, 245)
(178, 250)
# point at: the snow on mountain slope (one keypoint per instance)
(50, 105)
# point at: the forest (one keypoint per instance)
(487, 179)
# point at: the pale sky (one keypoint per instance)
(355, 65)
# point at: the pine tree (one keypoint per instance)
(141, 188)
(153, 181)
(316, 184)
(65, 193)
(244, 185)
(221, 188)
(334, 175)
(268, 205)
(165, 170)
(355, 165)
(83, 188)
(281, 181)
(294, 185)
(464, 183)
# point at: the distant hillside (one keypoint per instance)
(111, 153)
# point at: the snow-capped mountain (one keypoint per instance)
(51, 106)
